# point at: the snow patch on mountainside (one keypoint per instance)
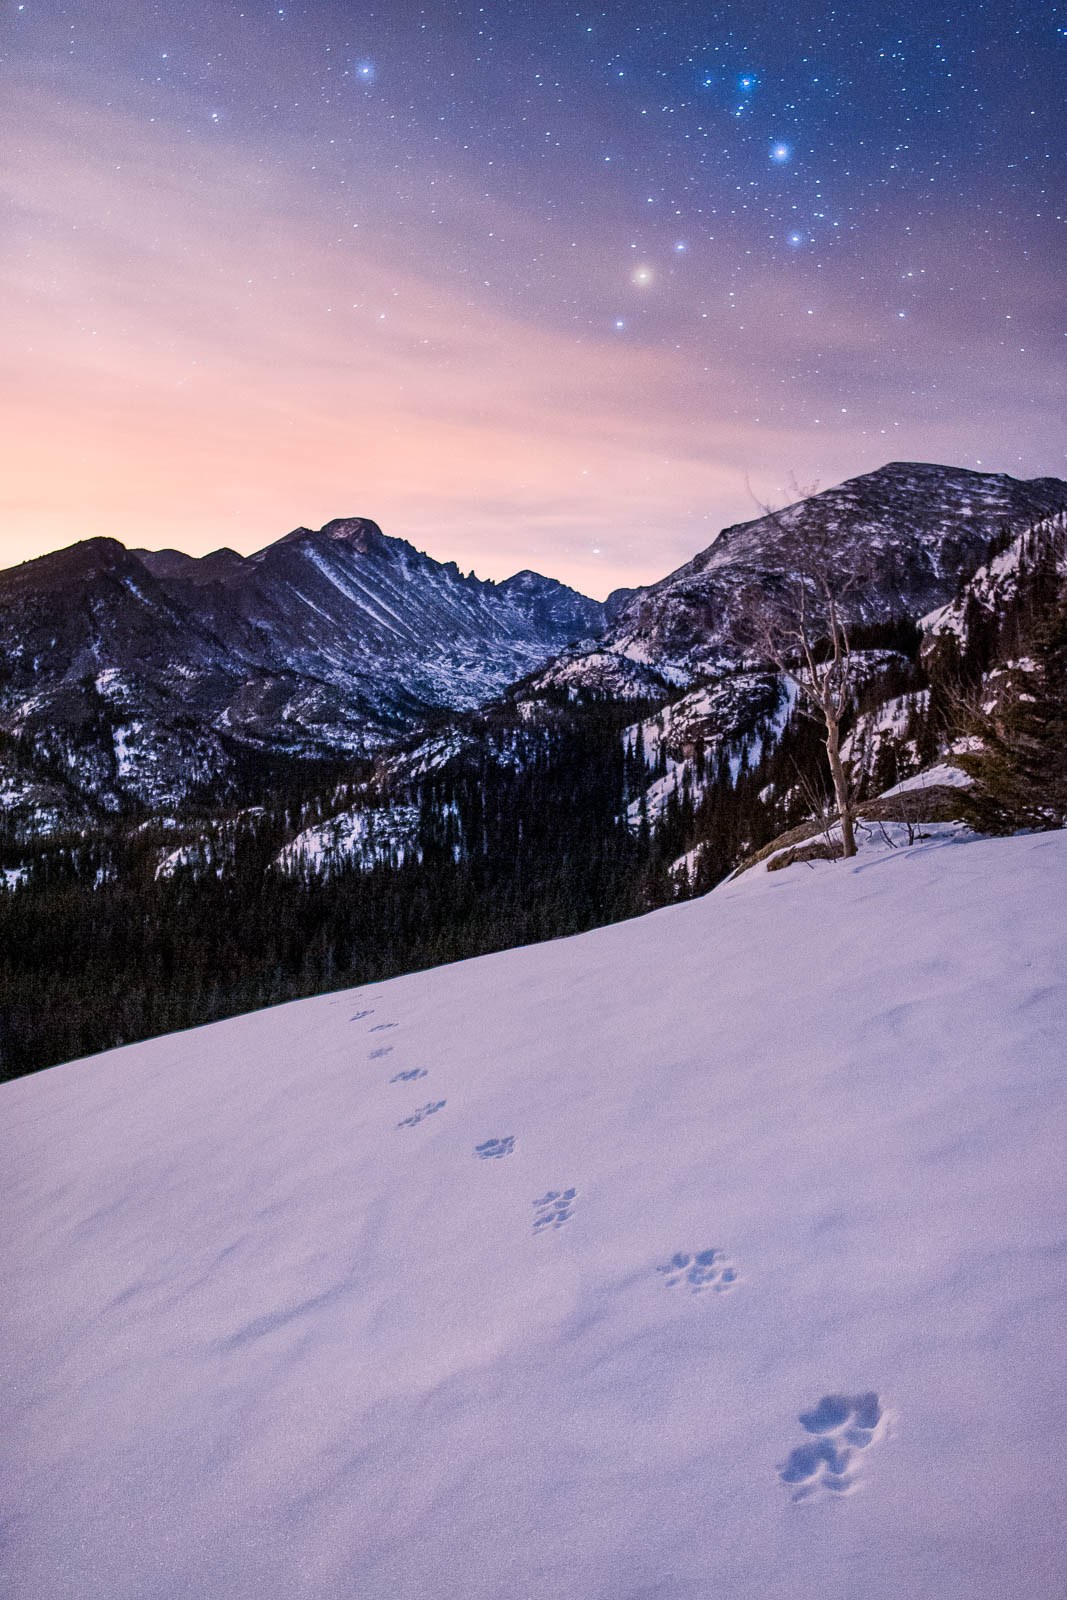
(996, 583)
(367, 837)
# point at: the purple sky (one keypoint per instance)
(529, 285)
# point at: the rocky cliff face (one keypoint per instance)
(146, 676)
(908, 533)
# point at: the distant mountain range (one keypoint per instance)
(148, 679)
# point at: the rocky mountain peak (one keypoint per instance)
(910, 531)
(359, 534)
(144, 676)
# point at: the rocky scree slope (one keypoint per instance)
(136, 675)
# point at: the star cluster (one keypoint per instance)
(533, 285)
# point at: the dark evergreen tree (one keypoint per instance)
(1019, 766)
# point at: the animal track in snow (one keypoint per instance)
(361, 1014)
(707, 1269)
(383, 1050)
(842, 1426)
(423, 1111)
(410, 1076)
(495, 1147)
(380, 1027)
(554, 1209)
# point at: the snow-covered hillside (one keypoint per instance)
(718, 1253)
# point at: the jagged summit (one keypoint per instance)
(358, 533)
(218, 567)
(948, 510)
(144, 676)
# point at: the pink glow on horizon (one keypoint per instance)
(190, 357)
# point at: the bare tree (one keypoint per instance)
(795, 622)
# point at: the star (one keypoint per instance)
(641, 277)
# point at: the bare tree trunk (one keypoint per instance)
(837, 771)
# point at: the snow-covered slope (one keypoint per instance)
(719, 1253)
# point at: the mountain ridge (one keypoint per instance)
(140, 680)
(136, 673)
(910, 530)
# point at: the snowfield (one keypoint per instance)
(721, 1253)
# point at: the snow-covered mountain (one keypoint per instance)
(729, 720)
(719, 1252)
(909, 532)
(152, 678)
(148, 676)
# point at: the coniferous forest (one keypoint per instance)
(99, 951)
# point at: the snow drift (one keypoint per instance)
(717, 1253)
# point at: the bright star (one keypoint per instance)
(619, 323)
(679, 245)
(641, 277)
(365, 70)
(781, 152)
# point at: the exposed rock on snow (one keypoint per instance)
(995, 584)
(736, 715)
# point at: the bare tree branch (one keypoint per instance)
(796, 623)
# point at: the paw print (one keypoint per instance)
(495, 1147)
(423, 1111)
(554, 1209)
(843, 1426)
(707, 1269)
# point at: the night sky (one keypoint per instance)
(531, 285)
